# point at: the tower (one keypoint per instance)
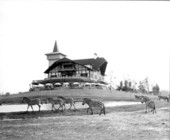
(55, 55)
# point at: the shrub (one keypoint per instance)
(156, 89)
(7, 94)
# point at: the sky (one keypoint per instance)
(133, 36)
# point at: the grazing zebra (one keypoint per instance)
(54, 102)
(164, 98)
(138, 97)
(149, 104)
(68, 101)
(145, 98)
(92, 103)
(32, 102)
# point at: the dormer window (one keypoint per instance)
(83, 74)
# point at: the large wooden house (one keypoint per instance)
(62, 69)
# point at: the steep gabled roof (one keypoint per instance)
(97, 64)
(63, 60)
(85, 61)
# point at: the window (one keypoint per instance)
(84, 74)
(68, 66)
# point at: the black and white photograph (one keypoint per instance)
(84, 70)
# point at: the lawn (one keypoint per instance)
(120, 122)
(75, 93)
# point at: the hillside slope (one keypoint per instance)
(75, 93)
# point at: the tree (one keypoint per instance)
(156, 89)
(146, 84)
(111, 80)
(134, 89)
(7, 94)
(142, 87)
(130, 84)
(126, 85)
(121, 84)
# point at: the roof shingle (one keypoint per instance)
(97, 64)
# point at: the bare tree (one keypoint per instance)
(111, 80)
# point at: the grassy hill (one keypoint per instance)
(75, 93)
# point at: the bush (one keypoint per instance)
(156, 89)
(7, 94)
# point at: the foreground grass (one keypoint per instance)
(120, 122)
(113, 126)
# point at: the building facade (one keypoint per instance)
(62, 69)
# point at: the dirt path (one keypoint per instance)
(78, 105)
(115, 125)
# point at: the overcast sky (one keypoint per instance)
(134, 37)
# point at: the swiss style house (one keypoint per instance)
(64, 70)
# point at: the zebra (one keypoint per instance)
(149, 104)
(163, 97)
(92, 103)
(144, 98)
(32, 102)
(53, 102)
(68, 101)
(138, 97)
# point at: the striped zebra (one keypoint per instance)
(31, 102)
(138, 97)
(54, 102)
(163, 97)
(68, 101)
(92, 104)
(145, 98)
(149, 104)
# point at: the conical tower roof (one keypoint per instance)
(55, 47)
(55, 55)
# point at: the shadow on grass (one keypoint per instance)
(37, 114)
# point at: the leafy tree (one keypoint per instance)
(156, 89)
(126, 85)
(121, 84)
(7, 94)
(130, 84)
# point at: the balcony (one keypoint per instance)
(67, 77)
(67, 69)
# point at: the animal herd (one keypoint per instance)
(150, 103)
(62, 101)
